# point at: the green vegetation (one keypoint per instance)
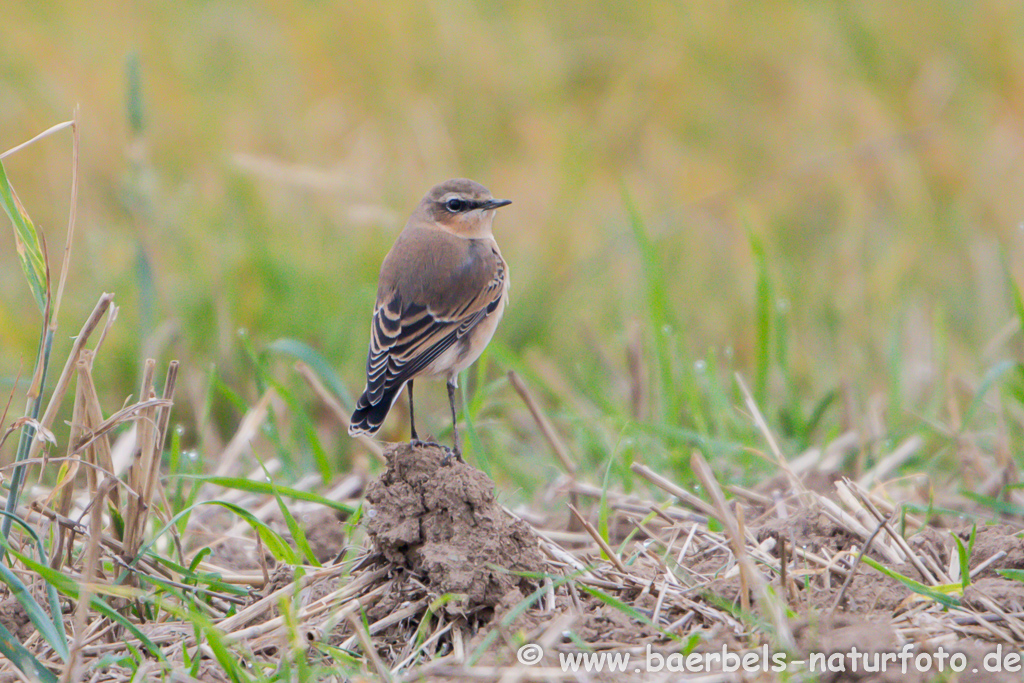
(824, 199)
(817, 197)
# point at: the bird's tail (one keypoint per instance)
(368, 417)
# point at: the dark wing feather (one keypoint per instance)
(404, 344)
(417, 319)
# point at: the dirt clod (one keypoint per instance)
(809, 529)
(325, 534)
(994, 540)
(15, 619)
(442, 523)
(1007, 594)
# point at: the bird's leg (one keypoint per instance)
(457, 450)
(415, 440)
(412, 418)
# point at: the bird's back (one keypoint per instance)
(461, 269)
(441, 292)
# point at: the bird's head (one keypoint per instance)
(462, 207)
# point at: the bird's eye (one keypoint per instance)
(454, 205)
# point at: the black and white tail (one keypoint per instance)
(368, 417)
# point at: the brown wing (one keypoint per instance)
(415, 321)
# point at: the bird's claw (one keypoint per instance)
(446, 461)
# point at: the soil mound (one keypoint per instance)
(440, 521)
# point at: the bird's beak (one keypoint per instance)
(495, 204)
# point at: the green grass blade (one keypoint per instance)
(473, 436)
(274, 542)
(916, 586)
(263, 382)
(1015, 293)
(516, 612)
(134, 107)
(305, 427)
(658, 310)
(28, 432)
(270, 538)
(990, 378)
(265, 487)
(1000, 506)
(71, 588)
(26, 239)
(298, 535)
(22, 658)
(147, 292)
(1012, 574)
(764, 321)
(50, 627)
(818, 412)
(305, 353)
(626, 609)
(604, 509)
(189, 574)
(688, 437)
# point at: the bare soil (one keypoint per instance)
(448, 585)
(438, 533)
(437, 520)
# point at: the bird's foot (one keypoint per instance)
(417, 443)
(446, 461)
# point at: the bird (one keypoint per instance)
(441, 293)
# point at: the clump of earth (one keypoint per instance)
(438, 519)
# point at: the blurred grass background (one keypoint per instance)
(827, 198)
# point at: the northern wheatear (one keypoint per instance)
(442, 290)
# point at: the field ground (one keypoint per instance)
(439, 581)
(422, 573)
(785, 242)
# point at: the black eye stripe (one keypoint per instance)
(459, 205)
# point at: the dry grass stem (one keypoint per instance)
(550, 435)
